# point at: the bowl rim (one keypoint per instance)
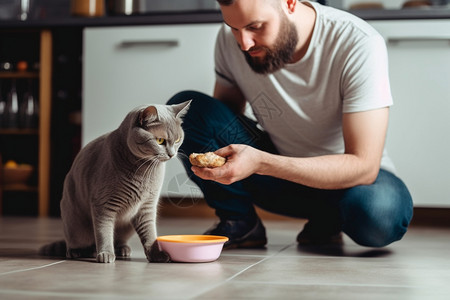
(192, 238)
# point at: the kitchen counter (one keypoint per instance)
(403, 14)
(212, 16)
(142, 19)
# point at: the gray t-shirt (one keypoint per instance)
(344, 70)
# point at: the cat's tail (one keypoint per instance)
(56, 249)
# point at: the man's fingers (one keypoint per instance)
(224, 152)
(209, 173)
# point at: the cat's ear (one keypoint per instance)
(181, 109)
(148, 115)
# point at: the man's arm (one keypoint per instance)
(364, 136)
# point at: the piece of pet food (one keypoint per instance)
(206, 160)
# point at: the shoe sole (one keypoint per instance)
(246, 245)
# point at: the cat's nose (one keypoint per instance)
(171, 153)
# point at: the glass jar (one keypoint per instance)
(11, 113)
(87, 8)
(29, 111)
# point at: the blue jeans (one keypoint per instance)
(372, 215)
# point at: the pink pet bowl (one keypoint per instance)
(192, 248)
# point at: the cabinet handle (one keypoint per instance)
(397, 40)
(152, 43)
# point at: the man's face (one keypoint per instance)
(265, 35)
(278, 55)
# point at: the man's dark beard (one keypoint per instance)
(281, 53)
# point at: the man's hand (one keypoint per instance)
(364, 135)
(242, 161)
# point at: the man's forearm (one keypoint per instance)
(325, 172)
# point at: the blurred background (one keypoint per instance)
(71, 69)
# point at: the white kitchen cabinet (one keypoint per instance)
(124, 67)
(418, 139)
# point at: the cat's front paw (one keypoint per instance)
(155, 255)
(106, 257)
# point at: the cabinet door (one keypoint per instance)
(418, 138)
(125, 67)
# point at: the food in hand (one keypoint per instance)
(207, 160)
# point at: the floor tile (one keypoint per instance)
(257, 290)
(418, 267)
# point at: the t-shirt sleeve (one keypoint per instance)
(222, 69)
(365, 83)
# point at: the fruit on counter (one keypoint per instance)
(16, 173)
(22, 65)
(417, 3)
(12, 164)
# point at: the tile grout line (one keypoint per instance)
(31, 269)
(240, 272)
(338, 284)
(251, 266)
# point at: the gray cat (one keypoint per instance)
(113, 187)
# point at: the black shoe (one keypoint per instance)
(241, 234)
(311, 236)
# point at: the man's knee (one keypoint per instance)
(376, 217)
(375, 226)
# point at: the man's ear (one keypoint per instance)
(291, 5)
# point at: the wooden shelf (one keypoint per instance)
(13, 131)
(44, 75)
(19, 187)
(23, 74)
(45, 102)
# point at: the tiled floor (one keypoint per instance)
(418, 267)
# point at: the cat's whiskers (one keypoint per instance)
(145, 161)
(153, 163)
(181, 155)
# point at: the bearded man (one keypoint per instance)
(300, 111)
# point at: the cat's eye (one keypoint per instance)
(160, 141)
(177, 140)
